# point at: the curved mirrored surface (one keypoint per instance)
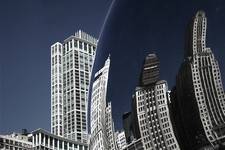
(133, 29)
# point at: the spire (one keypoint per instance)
(107, 62)
(200, 13)
(196, 35)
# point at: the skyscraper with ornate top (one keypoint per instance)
(149, 126)
(199, 99)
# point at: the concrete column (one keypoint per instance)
(63, 145)
(40, 138)
(68, 146)
(58, 144)
(53, 143)
(44, 141)
(36, 138)
(32, 140)
(48, 141)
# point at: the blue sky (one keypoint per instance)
(28, 28)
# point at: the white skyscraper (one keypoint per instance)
(102, 127)
(56, 89)
(71, 65)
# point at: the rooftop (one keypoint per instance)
(83, 36)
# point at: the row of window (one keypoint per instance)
(47, 140)
(89, 48)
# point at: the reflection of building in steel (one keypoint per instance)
(71, 65)
(121, 140)
(102, 126)
(135, 145)
(110, 130)
(42, 139)
(198, 99)
(151, 110)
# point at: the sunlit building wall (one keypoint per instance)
(71, 66)
(44, 140)
(102, 126)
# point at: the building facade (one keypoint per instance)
(121, 140)
(127, 126)
(15, 141)
(102, 126)
(135, 145)
(130, 124)
(44, 140)
(110, 130)
(71, 66)
(199, 95)
(154, 119)
(150, 108)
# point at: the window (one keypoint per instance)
(59, 59)
(70, 44)
(85, 46)
(80, 45)
(75, 43)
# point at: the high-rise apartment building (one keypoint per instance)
(199, 99)
(56, 89)
(71, 65)
(102, 126)
(150, 108)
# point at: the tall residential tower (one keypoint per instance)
(71, 65)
